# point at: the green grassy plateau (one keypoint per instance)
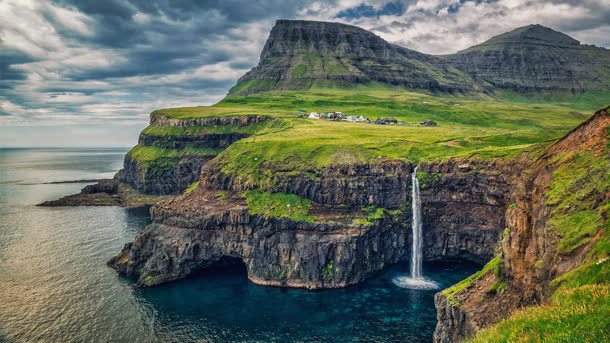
(482, 127)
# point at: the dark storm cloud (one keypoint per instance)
(94, 60)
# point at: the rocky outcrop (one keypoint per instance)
(107, 193)
(463, 208)
(243, 120)
(166, 175)
(197, 231)
(326, 253)
(384, 184)
(531, 248)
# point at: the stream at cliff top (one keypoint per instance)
(55, 286)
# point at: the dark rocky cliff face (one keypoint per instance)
(383, 184)
(329, 252)
(173, 174)
(277, 252)
(533, 252)
(463, 209)
(535, 58)
(299, 53)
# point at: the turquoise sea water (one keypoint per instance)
(55, 286)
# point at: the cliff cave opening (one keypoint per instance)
(227, 265)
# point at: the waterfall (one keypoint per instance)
(416, 227)
(416, 280)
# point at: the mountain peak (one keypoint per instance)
(531, 34)
(299, 54)
(292, 36)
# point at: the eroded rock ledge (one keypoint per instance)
(195, 231)
(200, 230)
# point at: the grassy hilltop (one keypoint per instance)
(483, 127)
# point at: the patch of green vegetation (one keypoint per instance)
(373, 213)
(149, 279)
(161, 130)
(427, 179)
(192, 187)
(576, 189)
(329, 270)
(147, 154)
(492, 266)
(498, 287)
(300, 70)
(574, 315)
(278, 205)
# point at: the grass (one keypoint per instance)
(577, 191)
(159, 130)
(278, 205)
(146, 155)
(373, 213)
(574, 315)
(451, 292)
(192, 187)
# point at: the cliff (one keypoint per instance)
(171, 151)
(356, 223)
(556, 241)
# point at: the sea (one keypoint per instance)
(55, 285)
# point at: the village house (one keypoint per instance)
(384, 121)
(314, 115)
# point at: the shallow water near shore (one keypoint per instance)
(55, 286)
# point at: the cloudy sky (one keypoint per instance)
(88, 72)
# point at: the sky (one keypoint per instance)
(88, 72)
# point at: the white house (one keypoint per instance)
(361, 118)
(314, 115)
(352, 119)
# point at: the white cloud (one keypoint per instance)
(78, 72)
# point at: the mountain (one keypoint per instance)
(299, 54)
(534, 58)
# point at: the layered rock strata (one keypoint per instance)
(198, 231)
(530, 256)
(172, 173)
(195, 231)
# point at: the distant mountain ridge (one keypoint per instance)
(535, 58)
(299, 54)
